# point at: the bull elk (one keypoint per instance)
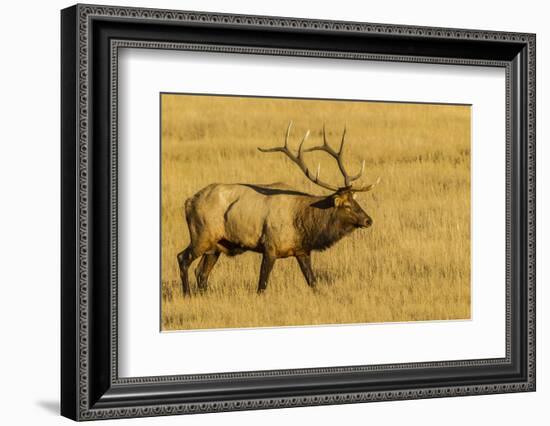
(273, 220)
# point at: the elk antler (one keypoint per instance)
(297, 159)
(367, 187)
(337, 155)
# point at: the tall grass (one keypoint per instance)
(412, 264)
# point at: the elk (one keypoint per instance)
(273, 220)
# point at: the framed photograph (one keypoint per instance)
(263, 212)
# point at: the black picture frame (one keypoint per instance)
(90, 386)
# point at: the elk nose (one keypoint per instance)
(368, 221)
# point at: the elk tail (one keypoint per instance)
(188, 208)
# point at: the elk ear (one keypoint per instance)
(339, 200)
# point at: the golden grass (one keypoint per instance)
(413, 264)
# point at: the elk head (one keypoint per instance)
(347, 211)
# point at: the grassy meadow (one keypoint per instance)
(413, 264)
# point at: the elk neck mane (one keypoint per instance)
(319, 224)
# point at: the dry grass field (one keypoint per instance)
(413, 264)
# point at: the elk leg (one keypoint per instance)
(305, 266)
(205, 267)
(267, 265)
(185, 258)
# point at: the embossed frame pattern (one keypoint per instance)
(91, 37)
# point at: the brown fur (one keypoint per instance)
(274, 220)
